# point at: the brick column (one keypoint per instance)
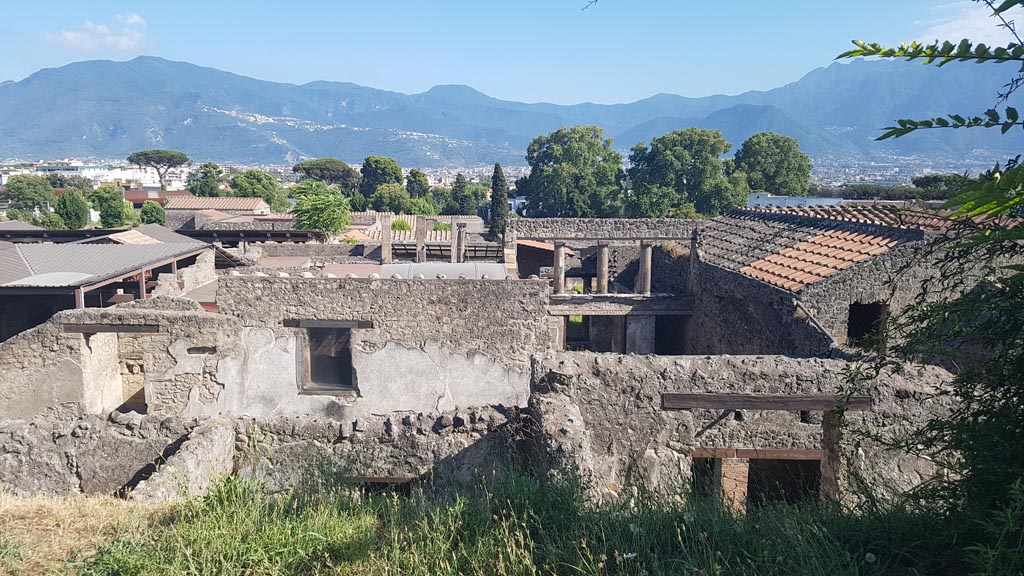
(731, 483)
(385, 238)
(559, 267)
(643, 277)
(421, 239)
(602, 268)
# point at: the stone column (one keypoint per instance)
(559, 267)
(831, 456)
(731, 483)
(602, 268)
(421, 239)
(460, 242)
(385, 238)
(643, 277)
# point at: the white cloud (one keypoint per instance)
(92, 35)
(965, 19)
(131, 19)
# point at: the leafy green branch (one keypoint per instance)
(990, 119)
(944, 53)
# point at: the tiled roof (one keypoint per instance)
(215, 203)
(791, 251)
(138, 196)
(881, 215)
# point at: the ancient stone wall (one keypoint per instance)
(895, 277)
(601, 415)
(598, 228)
(734, 314)
(330, 253)
(670, 268)
(188, 278)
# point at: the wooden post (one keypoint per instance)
(142, 284)
(643, 277)
(559, 267)
(421, 239)
(831, 456)
(385, 238)
(602, 268)
(454, 242)
(79, 298)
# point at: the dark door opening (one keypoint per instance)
(669, 335)
(789, 481)
(866, 323)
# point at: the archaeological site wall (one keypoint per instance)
(600, 415)
(598, 228)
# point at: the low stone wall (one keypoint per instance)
(600, 414)
(189, 278)
(598, 228)
(90, 455)
(330, 253)
(670, 268)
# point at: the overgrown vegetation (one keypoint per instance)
(518, 526)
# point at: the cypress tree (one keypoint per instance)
(499, 202)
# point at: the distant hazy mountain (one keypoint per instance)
(109, 109)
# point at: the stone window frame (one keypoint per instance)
(302, 356)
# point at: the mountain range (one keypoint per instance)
(106, 109)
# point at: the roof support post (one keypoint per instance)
(142, 284)
(602, 268)
(79, 298)
(460, 242)
(421, 239)
(385, 238)
(643, 277)
(559, 267)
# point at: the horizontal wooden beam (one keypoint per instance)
(763, 402)
(350, 324)
(122, 328)
(756, 453)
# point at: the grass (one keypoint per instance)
(517, 526)
(43, 535)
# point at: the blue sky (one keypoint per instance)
(528, 50)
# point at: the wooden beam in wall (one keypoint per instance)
(122, 328)
(763, 402)
(756, 453)
(351, 324)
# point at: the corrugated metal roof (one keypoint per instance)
(215, 203)
(80, 263)
(166, 235)
(18, 225)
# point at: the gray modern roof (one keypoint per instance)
(145, 234)
(478, 270)
(73, 265)
(18, 225)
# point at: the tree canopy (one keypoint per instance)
(110, 203)
(64, 181)
(499, 202)
(27, 192)
(378, 170)
(325, 209)
(390, 198)
(152, 213)
(206, 180)
(417, 183)
(775, 164)
(682, 167)
(574, 173)
(160, 160)
(255, 183)
(73, 209)
(331, 171)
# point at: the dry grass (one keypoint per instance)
(42, 535)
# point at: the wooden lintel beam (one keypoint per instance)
(763, 402)
(361, 324)
(756, 453)
(123, 328)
